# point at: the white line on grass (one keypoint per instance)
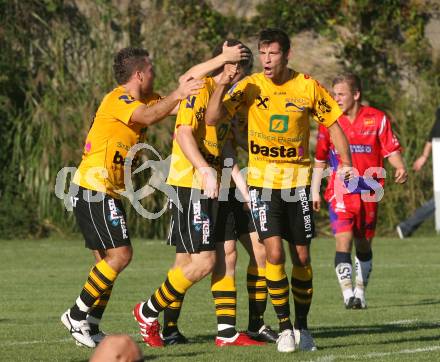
(330, 358)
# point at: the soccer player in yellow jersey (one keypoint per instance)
(195, 169)
(279, 102)
(119, 123)
(233, 223)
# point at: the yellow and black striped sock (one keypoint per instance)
(97, 310)
(225, 298)
(278, 287)
(302, 290)
(171, 315)
(172, 289)
(257, 293)
(100, 278)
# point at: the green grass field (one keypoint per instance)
(41, 278)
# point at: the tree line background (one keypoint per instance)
(55, 67)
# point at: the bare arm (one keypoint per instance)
(216, 110)
(396, 161)
(420, 162)
(188, 144)
(230, 54)
(149, 115)
(240, 182)
(341, 144)
(317, 175)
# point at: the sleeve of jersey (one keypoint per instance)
(192, 110)
(325, 109)
(322, 144)
(236, 96)
(388, 140)
(123, 107)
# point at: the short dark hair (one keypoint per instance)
(353, 81)
(273, 35)
(127, 61)
(245, 63)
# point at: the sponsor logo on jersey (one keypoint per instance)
(127, 98)
(201, 222)
(360, 149)
(200, 114)
(368, 133)
(296, 104)
(369, 122)
(318, 116)
(237, 96)
(278, 123)
(190, 100)
(281, 151)
(323, 106)
(263, 102)
(116, 218)
(292, 107)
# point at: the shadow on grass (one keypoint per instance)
(387, 342)
(344, 331)
(420, 303)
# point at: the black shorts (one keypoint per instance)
(192, 228)
(232, 220)
(101, 219)
(285, 213)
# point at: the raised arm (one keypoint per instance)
(230, 54)
(149, 115)
(216, 110)
(188, 144)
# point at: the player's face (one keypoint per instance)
(146, 78)
(241, 73)
(272, 59)
(344, 96)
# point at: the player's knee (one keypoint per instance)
(275, 256)
(260, 255)
(303, 259)
(205, 266)
(121, 259)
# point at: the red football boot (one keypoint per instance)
(240, 339)
(150, 331)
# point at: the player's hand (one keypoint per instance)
(400, 176)
(229, 72)
(209, 182)
(345, 173)
(419, 163)
(316, 201)
(188, 87)
(235, 53)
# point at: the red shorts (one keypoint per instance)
(353, 214)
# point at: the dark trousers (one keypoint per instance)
(417, 218)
